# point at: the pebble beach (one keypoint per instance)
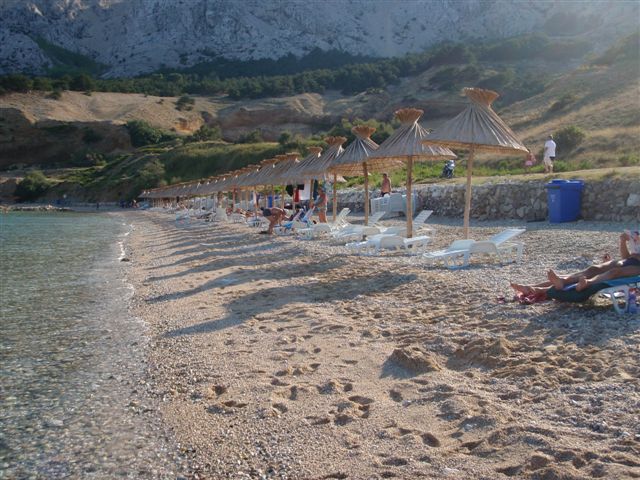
(277, 357)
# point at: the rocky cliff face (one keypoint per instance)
(136, 36)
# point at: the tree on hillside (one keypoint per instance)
(142, 133)
(569, 138)
(151, 174)
(82, 83)
(16, 83)
(32, 186)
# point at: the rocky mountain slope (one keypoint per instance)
(136, 36)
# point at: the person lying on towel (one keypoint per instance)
(627, 266)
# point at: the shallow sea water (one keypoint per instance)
(73, 400)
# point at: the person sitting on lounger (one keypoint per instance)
(627, 266)
(275, 216)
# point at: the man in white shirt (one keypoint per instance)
(549, 154)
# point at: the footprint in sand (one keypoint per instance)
(395, 462)
(279, 383)
(280, 408)
(430, 440)
(294, 391)
(395, 395)
(214, 391)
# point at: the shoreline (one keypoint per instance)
(280, 358)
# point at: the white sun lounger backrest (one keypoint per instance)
(376, 217)
(506, 235)
(422, 217)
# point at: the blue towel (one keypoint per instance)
(569, 293)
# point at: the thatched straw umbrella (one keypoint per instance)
(405, 144)
(353, 161)
(476, 128)
(319, 168)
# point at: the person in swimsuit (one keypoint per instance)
(321, 205)
(275, 216)
(627, 266)
(385, 188)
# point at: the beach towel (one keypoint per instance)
(531, 298)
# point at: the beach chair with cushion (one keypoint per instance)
(617, 290)
(300, 221)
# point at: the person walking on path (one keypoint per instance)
(549, 154)
(385, 188)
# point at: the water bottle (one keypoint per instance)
(632, 305)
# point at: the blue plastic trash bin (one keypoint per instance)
(564, 200)
(270, 201)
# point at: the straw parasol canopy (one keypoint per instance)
(353, 161)
(406, 145)
(476, 128)
(296, 173)
(318, 169)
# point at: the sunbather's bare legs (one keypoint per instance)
(582, 282)
(616, 272)
(561, 281)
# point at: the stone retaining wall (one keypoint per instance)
(609, 200)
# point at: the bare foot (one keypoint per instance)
(582, 284)
(555, 280)
(524, 289)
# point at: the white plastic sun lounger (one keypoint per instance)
(458, 254)
(351, 233)
(500, 247)
(326, 228)
(454, 256)
(393, 239)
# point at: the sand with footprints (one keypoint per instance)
(274, 357)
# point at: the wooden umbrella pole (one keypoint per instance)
(409, 198)
(366, 193)
(467, 196)
(335, 196)
(256, 205)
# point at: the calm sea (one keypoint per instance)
(73, 397)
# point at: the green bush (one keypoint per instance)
(564, 101)
(151, 174)
(629, 160)
(255, 136)
(185, 102)
(32, 186)
(568, 138)
(142, 133)
(204, 133)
